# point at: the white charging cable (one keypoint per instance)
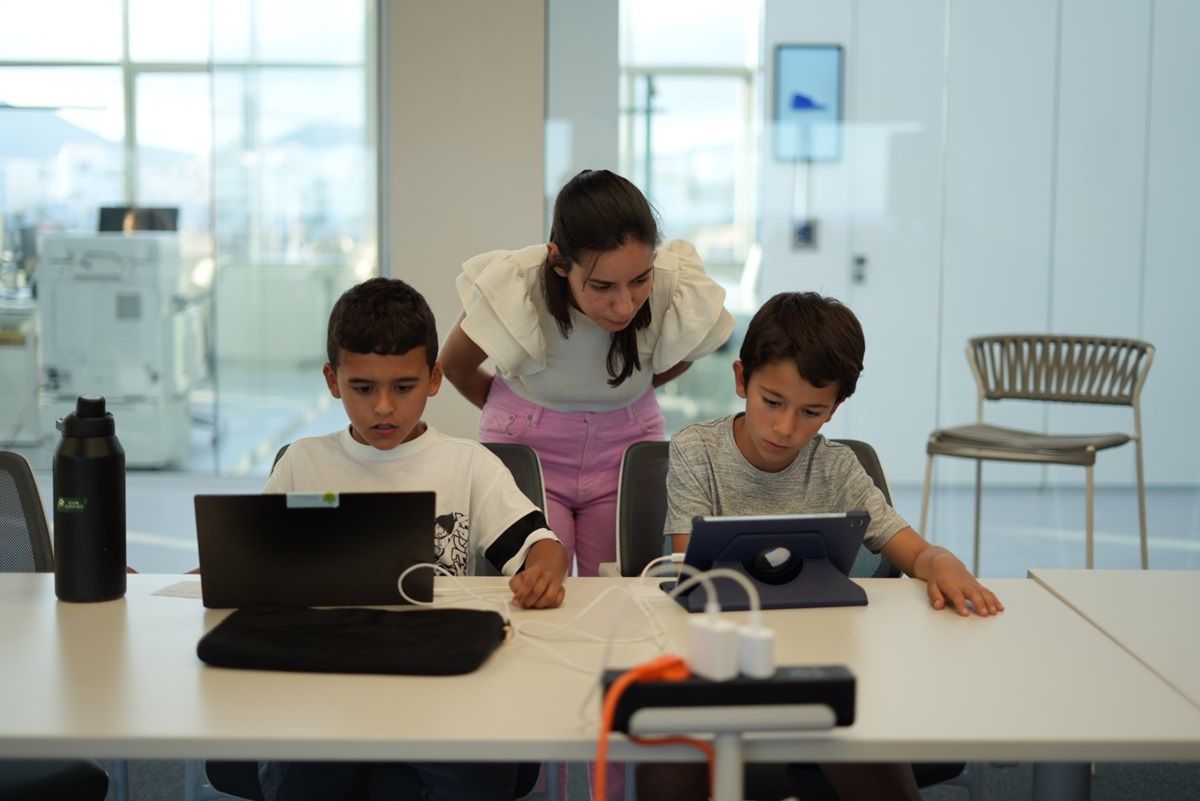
(719, 649)
(521, 630)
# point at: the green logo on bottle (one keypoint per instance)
(70, 505)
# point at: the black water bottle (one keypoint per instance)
(89, 506)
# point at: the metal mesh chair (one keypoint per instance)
(25, 548)
(24, 534)
(1051, 368)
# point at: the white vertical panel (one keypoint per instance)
(465, 116)
(1101, 179)
(582, 86)
(823, 269)
(999, 221)
(1172, 280)
(894, 157)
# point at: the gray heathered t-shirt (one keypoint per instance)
(710, 476)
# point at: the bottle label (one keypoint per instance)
(70, 505)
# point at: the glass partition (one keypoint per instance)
(969, 194)
(234, 145)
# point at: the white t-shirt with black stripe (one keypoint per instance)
(479, 511)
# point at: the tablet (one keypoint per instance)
(793, 560)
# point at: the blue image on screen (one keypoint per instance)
(808, 103)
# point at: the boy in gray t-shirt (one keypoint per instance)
(800, 360)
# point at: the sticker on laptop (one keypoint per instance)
(312, 500)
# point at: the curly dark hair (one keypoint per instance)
(384, 316)
(820, 335)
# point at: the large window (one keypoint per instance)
(254, 122)
(689, 133)
(689, 123)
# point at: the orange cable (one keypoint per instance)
(663, 668)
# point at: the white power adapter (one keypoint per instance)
(756, 651)
(713, 648)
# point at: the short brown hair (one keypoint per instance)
(820, 335)
(384, 316)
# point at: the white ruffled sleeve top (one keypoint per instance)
(505, 315)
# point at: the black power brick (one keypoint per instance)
(831, 685)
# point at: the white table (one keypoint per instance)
(1153, 614)
(121, 679)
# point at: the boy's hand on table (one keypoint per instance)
(951, 584)
(535, 587)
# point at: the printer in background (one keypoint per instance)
(116, 322)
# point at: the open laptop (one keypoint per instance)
(314, 549)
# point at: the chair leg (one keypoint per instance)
(971, 779)
(118, 780)
(195, 783)
(925, 497)
(1090, 499)
(553, 773)
(1141, 481)
(978, 503)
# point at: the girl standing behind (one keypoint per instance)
(581, 330)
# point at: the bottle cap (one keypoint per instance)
(89, 420)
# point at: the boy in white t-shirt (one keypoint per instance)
(382, 348)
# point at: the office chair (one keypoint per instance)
(641, 506)
(1056, 369)
(25, 547)
(523, 462)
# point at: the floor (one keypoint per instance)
(163, 781)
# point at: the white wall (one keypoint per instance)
(464, 121)
(1016, 167)
(1172, 282)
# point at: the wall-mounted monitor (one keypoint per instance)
(808, 103)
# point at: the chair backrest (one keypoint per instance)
(24, 535)
(526, 468)
(523, 462)
(867, 564)
(1056, 367)
(641, 506)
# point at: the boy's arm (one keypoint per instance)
(539, 584)
(461, 360)
(948, 580)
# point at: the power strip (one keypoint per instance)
(831, 685)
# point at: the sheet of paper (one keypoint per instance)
(180, 589)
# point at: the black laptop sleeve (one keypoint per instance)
(425, 642)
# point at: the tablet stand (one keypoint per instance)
(806, 579)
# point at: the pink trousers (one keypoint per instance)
(581, 460)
